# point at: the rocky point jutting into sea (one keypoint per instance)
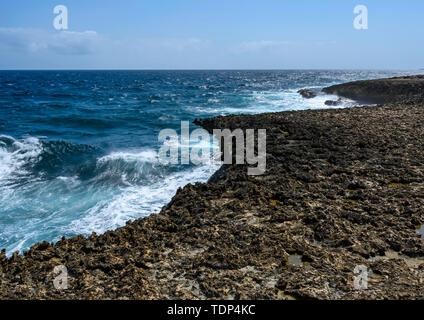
(343, 188)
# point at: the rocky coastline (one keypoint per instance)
(398, 89)
(343, 188)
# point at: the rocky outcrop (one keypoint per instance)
(307, 93)
(381, 90)
(343, 188)
(333, 103)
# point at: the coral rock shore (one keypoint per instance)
(343, 188)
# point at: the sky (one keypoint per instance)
(211, 34)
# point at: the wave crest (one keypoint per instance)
(16, 155)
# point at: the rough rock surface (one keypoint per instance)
(381, 90)
(343, 188)
(307, 93)
(333, 102)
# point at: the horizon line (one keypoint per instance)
(217, 69)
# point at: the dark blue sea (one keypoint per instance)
(78, 149)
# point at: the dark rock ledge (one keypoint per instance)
(342, 188)
(397, 89)
(307, 93)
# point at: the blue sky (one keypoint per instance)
(211, 34)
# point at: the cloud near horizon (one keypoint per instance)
(27, 40)
(41, 49)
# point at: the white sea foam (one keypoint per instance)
(148, 155)
(14, 154)
(291, 100)
(138, 200)
(275, 101)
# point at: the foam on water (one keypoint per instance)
(275, 101)
(289, 100)
(139, 201)
(131, 167)
(15, 154)
(125, 185)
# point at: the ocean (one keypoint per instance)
(79, 149)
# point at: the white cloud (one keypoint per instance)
(82, 43)
(62, 42)
(39, 49)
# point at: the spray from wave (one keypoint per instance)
(16, 155)
(50, 189)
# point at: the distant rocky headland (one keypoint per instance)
(381, 90)
(343, 192)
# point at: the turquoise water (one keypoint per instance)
(78, 149)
